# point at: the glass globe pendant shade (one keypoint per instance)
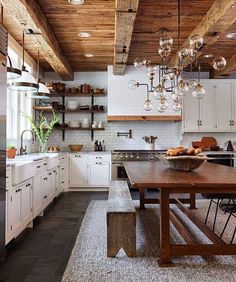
(196, 41)
(178, 91)
(133, 84)
(12, 71)
(177, 106)
(166, 41)
(147, 105)
(26, 83)
(159, 90)
(164, 52)
(152, 72)
(183, 86)
(219, 63)
(192, 83)
(199, 91)
(163, 105)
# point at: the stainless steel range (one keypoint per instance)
(120, 156)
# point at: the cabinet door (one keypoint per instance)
(78, 170)
(37, 194)
(52, 183)
(234, 108)
(13, 210)
(26, 203)
(208, 120)
(99, 174)
(190, 113)
(224, 106)
(45, 188)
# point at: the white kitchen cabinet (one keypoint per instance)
(78, 170)
(13, 211)
(215, 112)
(45, 189)
(224, 106)
(37, 194)
(19, 209)
(190, 113)
(99, 174)
(26, 203)
(234, 108)
(207, 109)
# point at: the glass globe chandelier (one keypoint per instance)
(170, 80)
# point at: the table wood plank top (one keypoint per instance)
(157, 174)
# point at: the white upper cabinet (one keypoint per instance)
(234, 108)
(224, 106)
(190, 113)
(207, 110)
(215, 112)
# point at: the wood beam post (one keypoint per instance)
(217, 20)
(126, 11)
(28, 15)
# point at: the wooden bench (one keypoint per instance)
(121, 220)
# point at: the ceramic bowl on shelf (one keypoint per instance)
(72, 105)
(85, 125)
(75, 147)
(74, 123)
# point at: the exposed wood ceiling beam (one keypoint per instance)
(230, 68)
(29, 15)
(126, 11)
(217, 20)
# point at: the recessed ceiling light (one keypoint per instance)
(231, 35)
(88, 55)
(84, 34)
(76, 2)
(208, 56)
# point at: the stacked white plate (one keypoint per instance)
(85, 123)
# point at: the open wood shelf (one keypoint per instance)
(145, 118)
(68, 94)
(69, 111)
(79, 128)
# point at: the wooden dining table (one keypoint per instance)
(209, 178)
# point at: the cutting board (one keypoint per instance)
(209, 142)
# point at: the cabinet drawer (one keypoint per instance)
(39, 166)
(99, 157)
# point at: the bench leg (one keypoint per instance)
(121, 233)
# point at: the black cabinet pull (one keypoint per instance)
(45, 178)
(62, 168)
(27, 185)
(38, 166)
(50, 173)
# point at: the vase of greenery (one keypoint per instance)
(43, 129)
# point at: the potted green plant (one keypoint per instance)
(11, 151)
(43, 129)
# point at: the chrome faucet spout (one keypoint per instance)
(23, 150)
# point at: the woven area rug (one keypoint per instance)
(88, 261)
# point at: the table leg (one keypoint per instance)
(164, 259)
(142, 198)
(192, 201)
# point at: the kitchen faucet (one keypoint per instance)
(23, 150)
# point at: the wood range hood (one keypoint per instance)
(174, 118)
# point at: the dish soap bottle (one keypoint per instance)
(230, 146)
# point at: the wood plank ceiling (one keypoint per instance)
(98, 18)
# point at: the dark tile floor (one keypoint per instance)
(41, 254)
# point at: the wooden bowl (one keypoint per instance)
(185, 163)
(75, 147)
